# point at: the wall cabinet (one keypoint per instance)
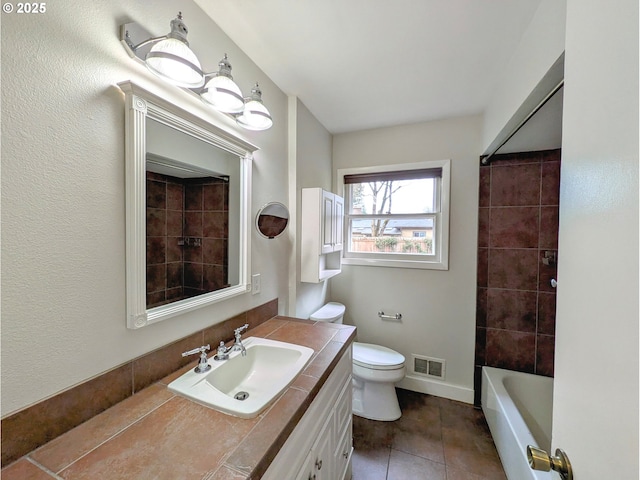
(321, 446)
(322, 238)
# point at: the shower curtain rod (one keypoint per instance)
(486, 160)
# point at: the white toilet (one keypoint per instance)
(375, 371)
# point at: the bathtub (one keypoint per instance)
(518, 409)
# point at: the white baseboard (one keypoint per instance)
(436, 388)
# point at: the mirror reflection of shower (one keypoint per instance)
(187, 232)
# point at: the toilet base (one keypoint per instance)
(375, 400)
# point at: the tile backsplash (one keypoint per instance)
(518, 229)
(38, 424)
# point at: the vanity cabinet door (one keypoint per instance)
(343, 452)
(307, 471)
(343, 430)
(323, 449)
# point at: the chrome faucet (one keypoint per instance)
(238, 340)
(223, 352)
(203, 365)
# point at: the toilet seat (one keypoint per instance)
(376, 357)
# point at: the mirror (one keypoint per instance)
(188, 198)
(272, 219)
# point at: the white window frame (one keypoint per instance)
(438, 261)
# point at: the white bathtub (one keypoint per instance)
(518, 409)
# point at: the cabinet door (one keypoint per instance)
(328, 225)
(342, 455)
(323, 452)
(338, 222)
(307, 471)
(343, 430)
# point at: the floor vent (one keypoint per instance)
(430, 367)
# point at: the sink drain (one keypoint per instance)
(241, 396)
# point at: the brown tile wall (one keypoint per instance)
(179, 210)
(34, 426)
(518, 223)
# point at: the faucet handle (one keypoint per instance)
(203, 364)
(200, 350)
(241, 329)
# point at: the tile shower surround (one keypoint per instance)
(185, 208)
(518, 223)
(34, 426)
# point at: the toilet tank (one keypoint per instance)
(332, 312)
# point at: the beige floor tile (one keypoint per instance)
(23, 469)
(434, 439)
(403, 466)
(370, 464)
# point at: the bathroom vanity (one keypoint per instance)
(155, 433)
(321, 445)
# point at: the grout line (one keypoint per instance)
(42, 467)
(117, 433)
(388, 463)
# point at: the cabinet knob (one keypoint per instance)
(312, 477)
(345, 454)
(319, 464)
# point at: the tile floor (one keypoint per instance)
(435, 439)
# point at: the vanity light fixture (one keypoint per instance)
(170, 58)
(221, 92)
(255, 115)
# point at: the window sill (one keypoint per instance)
(375, 262)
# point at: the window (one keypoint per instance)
(397, 215)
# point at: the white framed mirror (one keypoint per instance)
(188, 197)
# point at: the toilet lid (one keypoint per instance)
(376, 357)
(331, 312)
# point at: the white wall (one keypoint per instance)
(540, 46)
(595, 412)
(312, 153)
(438, 307)
(63, 249)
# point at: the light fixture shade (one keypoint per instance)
(173, 60)
(222, 92)
(255, 115)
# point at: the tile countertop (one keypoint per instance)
(156, 434)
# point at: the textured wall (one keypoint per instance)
(313, 158)
(595, 397)
(438, 307)
(63, 225)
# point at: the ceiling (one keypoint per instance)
(361, 64)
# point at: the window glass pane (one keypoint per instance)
(393, 197)
(411, 236)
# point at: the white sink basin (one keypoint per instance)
(243, 386)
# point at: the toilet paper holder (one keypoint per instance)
(397, 317)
